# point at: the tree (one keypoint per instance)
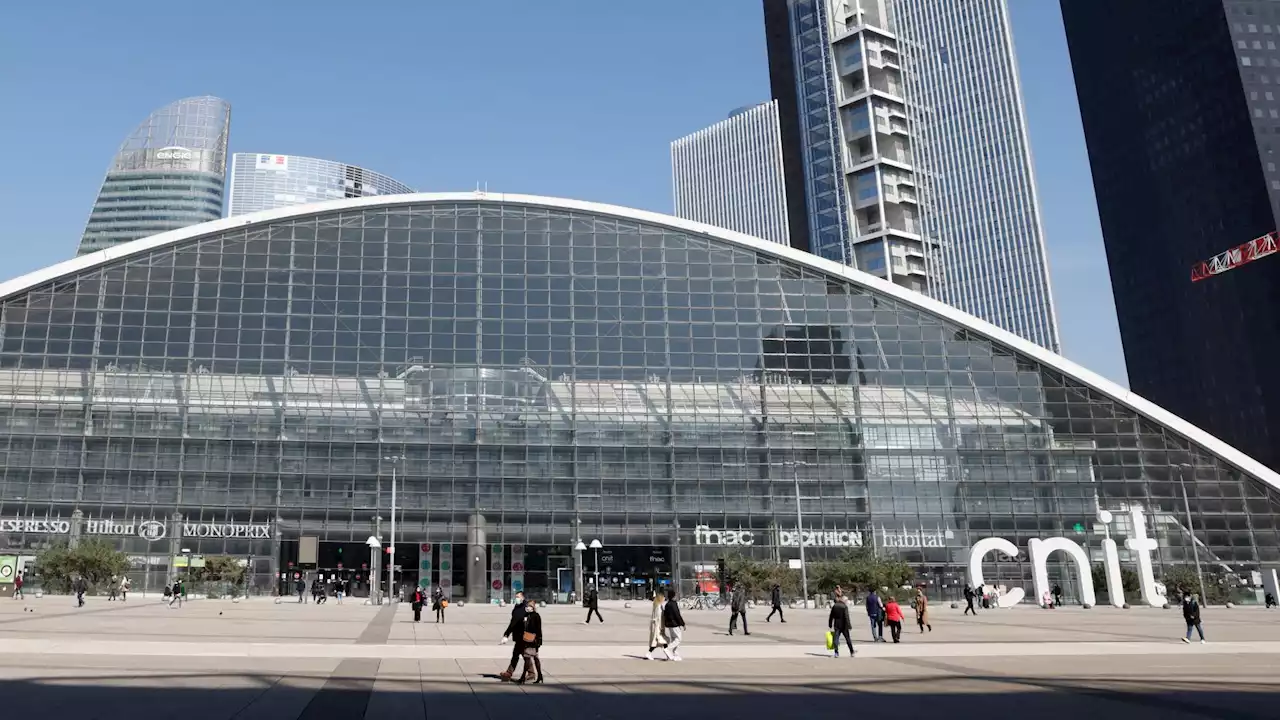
(860, 568)
(95, 560)
(1128, 581)
(1219, 587)
(221, 574)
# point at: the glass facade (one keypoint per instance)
(1183, 152)
(168, 174)
(915, 155)
(266, 182)
(730, 174)
(536, 372)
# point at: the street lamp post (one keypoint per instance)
(804, 573)
(595, 546)
(391, 546)
(375, 556)
(1186, 507)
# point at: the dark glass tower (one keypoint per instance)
(1180, 115)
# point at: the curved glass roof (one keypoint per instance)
(903, 354)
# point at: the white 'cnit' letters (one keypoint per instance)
(1040, 549)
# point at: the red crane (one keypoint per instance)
(1255, 249)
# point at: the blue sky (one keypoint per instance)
(566, 98)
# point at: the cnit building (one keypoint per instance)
(534, 373)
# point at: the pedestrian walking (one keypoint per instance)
(514, 627)
(893, 616)
(113, 588)
(922, 610)
(1057, 595)
(79, 587)
(1269, 599)
(529, 643)
(438, 603)
(875, 609)
(775, 597)
(417, 604)
(592, 601)
(125, 585)
(339, 589)
(656, 637)
(1191, 614)
(673, 623)
(301, 588)
(17, 587)
(968, 600)
(839, 624)
(738, 608)
(177, 593)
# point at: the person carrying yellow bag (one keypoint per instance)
(839, 625)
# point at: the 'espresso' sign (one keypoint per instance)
(149, 530)
(32, 525)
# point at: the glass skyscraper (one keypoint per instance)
(535, 372)
(265, 182)
(168, 174)
(730, 174)
(910, 150)
(1181, 110)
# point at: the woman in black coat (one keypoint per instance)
(528, 642)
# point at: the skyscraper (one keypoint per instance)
(168, 174)
(730, 174)
(265, 182)
(905, 141)
(1182, 122)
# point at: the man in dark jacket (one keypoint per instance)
(875, 613)
(968, 600)
(80, 587)
(673, 623)
(593, 604)
(738, 607)
(1191, 614)
(838, 623)
(776, 598)
(514, 630)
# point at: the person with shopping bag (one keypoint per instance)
(528, 643)
(839, 625)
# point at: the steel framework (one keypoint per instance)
(1255, 249)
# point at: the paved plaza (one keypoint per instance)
(259, 659)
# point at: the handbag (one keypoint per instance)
(444, 603)
(529, 637)
(831, 640)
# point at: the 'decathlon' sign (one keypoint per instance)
(149, 530)
(705, 535)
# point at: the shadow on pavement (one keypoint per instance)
(319, 696)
